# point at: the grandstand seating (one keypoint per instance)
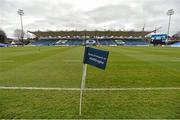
(107, 42)
(3, 45)
(120, 42)
(108, 38)
(45, 42)
(176, 44)
(135, 42)
(76, 42)
(90, 33)
(61, 42)
(91, 42)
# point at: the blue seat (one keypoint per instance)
(106, 42)
(45, 42)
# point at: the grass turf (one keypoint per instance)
(62, 67)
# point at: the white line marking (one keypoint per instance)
(39, 88)
(130, 89)
(91, 89)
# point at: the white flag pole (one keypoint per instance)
(83, 81)
(82, 87)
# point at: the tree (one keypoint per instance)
(19, 34)
(2, 36)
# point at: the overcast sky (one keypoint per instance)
(89, 14)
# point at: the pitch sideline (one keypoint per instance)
(91, 89)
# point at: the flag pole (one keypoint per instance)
(82, 87)
(83, 81)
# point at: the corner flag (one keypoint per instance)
(94, 57)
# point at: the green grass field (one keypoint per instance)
(61, 67)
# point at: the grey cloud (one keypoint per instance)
(111, 13)
(43, 14)
(149, 12)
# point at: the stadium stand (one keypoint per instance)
(176, 44)
(107, 42)
(61, 42)
(3, 45)
(74, 38)
(135, 42)
(91, 42)
(45, 42)
(90, 33)
(74, 42)
(120, 42)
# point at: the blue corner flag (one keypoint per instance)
(95, 57)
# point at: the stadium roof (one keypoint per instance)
(91, 33)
